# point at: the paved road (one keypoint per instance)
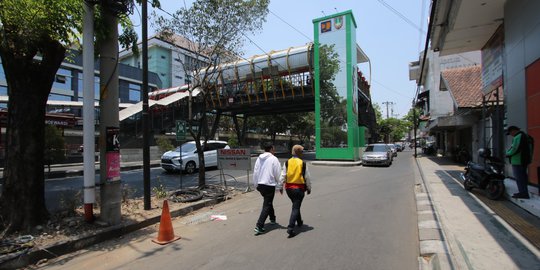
(356, 218)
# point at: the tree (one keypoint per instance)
(393, 129)
(378, 112)
(270, 125)
(303, 127)
(409, 118)
(214, 29)
(28, 29)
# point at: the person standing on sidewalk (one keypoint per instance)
(266, 180)
(297, 181)
(520, 156)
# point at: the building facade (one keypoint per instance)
(170, 58)
(68, 81)
(508, 35)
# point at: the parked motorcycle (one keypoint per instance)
(489, 177)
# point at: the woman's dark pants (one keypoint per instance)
(296, 195)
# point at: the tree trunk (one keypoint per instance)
(203, 132)
(29, 84)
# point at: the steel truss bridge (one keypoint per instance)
(277, 83)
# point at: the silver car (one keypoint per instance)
(377, 154)
(393, 148)
(186, 158)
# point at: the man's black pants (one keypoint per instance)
(268, 193)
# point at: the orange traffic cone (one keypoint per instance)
(166, 233)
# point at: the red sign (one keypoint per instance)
(113, 154)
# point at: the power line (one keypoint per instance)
(290, 25)
(401, 15)
(390, 89)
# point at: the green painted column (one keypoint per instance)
(338, 136)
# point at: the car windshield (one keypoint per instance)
(376, 148)
(186, 147)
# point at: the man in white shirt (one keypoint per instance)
(266, 175)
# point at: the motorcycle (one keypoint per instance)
(489, 177)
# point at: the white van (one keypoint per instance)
(185, 156)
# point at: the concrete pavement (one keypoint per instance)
(457, 230)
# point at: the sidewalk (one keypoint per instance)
(462, 230)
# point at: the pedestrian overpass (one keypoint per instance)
(279, 82)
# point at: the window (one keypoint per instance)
(59, 97)
(62, 79)
(163, 57)
(134, 92)
(442, 85)
(3, 90)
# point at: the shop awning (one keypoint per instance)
(452, 122)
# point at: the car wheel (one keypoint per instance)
(191, 167)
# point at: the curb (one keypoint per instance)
(86, 240)
(71, 173)
(337, 163)
(434, 249)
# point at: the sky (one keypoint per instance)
(391, 33)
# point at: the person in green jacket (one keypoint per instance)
(520, 155)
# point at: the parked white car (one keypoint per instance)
(185, 158)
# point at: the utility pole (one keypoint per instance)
(388, 103)
(109, 146)
(414, 128)
(88, 112)
(145, 118)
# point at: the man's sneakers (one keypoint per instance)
(520, 196)
(259, 231)
(290, 233)
(273, 222)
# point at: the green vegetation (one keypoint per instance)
(54, 146)
(164, 144)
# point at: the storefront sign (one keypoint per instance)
(234, 159)
(492, 62)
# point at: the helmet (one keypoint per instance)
(482, 152)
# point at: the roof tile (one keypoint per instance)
(465, 85)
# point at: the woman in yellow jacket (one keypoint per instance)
(296, 179)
